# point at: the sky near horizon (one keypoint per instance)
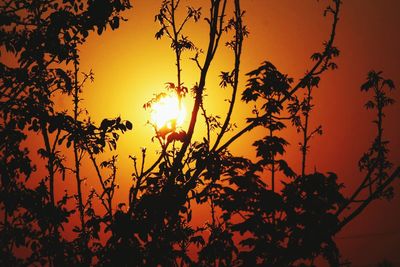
(130, 66)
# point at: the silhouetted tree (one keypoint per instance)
(253, 222)
(377, 181)
(44, 37)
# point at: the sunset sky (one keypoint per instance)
(130, 66)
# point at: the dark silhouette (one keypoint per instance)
(253, 223)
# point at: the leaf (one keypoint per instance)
(160, 33)
(370, 105)
(316, 56)
(389, 83)
(105, 124)
(128, 125)
(114, 23)
(283, 166)
(366, 86)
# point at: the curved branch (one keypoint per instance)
(238, 51)
(216, 23)
(374, 195)
(309, 74)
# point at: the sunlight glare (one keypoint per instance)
(168, 112)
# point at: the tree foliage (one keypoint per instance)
(252, 223)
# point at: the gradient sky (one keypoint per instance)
(130, 65)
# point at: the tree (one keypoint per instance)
(253, 223)
(44, 38)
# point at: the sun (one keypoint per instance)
(168, 112)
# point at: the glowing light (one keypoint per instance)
(168, 112)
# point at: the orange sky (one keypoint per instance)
(130, 65)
